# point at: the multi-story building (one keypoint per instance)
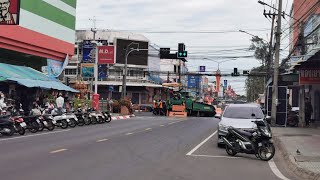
(304, 39)
(141, 85)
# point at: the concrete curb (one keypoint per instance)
(292, 165)
(122, 117)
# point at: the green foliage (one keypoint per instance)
(260, 49)
(255, 84)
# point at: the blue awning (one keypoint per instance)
(29, 77)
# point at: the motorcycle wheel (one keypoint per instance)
(87, 121)
(81, 122)
(50, 126)
(266, 152)
(108, 120)
(230, 152)
(20, 129)
(72, 123)
(64, 124)
(33, 127)
(94, 120)
(101, 120)
(41, 126)
(12, 130)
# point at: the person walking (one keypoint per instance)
(308, 111)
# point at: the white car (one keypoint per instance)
(239, 116)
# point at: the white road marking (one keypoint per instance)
(57, 151)
(199, 145)
(161, 125)
(129, 134)
(54, 132)
(228, 157)
(148, 129)
(275, 170)
(174, 122)
(101, 140)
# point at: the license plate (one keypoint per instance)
(259, 144)
(68, 120)
(23, 124)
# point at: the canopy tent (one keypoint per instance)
(29, 77)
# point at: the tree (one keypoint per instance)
(255, 85)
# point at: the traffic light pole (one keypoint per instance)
(276, 68)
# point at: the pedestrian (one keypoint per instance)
(110, 102)
(60, 103)
(2, 102)
(308, 111)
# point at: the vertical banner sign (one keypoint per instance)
(106, 55)
(193, 81)
(87, 70)
(55, 68)
(102, 70)
(87, 52)
(9, 12)
(202, 69)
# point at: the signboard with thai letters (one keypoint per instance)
(309, 76)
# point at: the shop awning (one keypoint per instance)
(29, 77)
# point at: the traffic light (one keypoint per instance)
(235, 72)
(182, 53)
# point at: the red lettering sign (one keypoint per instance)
(309, 76)
(105, 54)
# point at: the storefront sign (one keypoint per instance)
(9, 12)
(87, 52)
(193, 81)
(309, 76)
(87, 70)
(55, 68)
(106, 55)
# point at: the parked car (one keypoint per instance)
(239, 116)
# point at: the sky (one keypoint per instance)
(222, 18)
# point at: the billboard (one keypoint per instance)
(193, 81)
(87, 52)
(87, 70)
(106, 55)
(135, 57)
(9, 12)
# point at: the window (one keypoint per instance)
(70, 71)
(75, 51)
(243, 113)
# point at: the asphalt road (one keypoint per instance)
(139, 148)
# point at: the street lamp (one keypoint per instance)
(218, 62)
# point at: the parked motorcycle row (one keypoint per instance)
(17, 121)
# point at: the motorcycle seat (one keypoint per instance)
(245, 133)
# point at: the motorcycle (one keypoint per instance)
(107, 116)
(293, 118)
(81, 118)
(257, 142)
(59, 118)
(72, 119)
(6, 125)
(18, 123)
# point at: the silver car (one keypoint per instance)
(239, 116)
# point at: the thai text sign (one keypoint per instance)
(309, 76)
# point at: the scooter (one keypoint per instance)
(258, 142)
(107, 116)
(59, 118)
(18, 123)
(6, 125)
(72, 119)
(80, 116)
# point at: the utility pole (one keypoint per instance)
(302, 93)
(276, 68)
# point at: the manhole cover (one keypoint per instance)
(296, 135)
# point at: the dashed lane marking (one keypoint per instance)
(199, 145)
(102, 140)
(148, 129)
(161, 125)
(129, 134)
(57, 151)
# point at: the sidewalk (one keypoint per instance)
(300, 148)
